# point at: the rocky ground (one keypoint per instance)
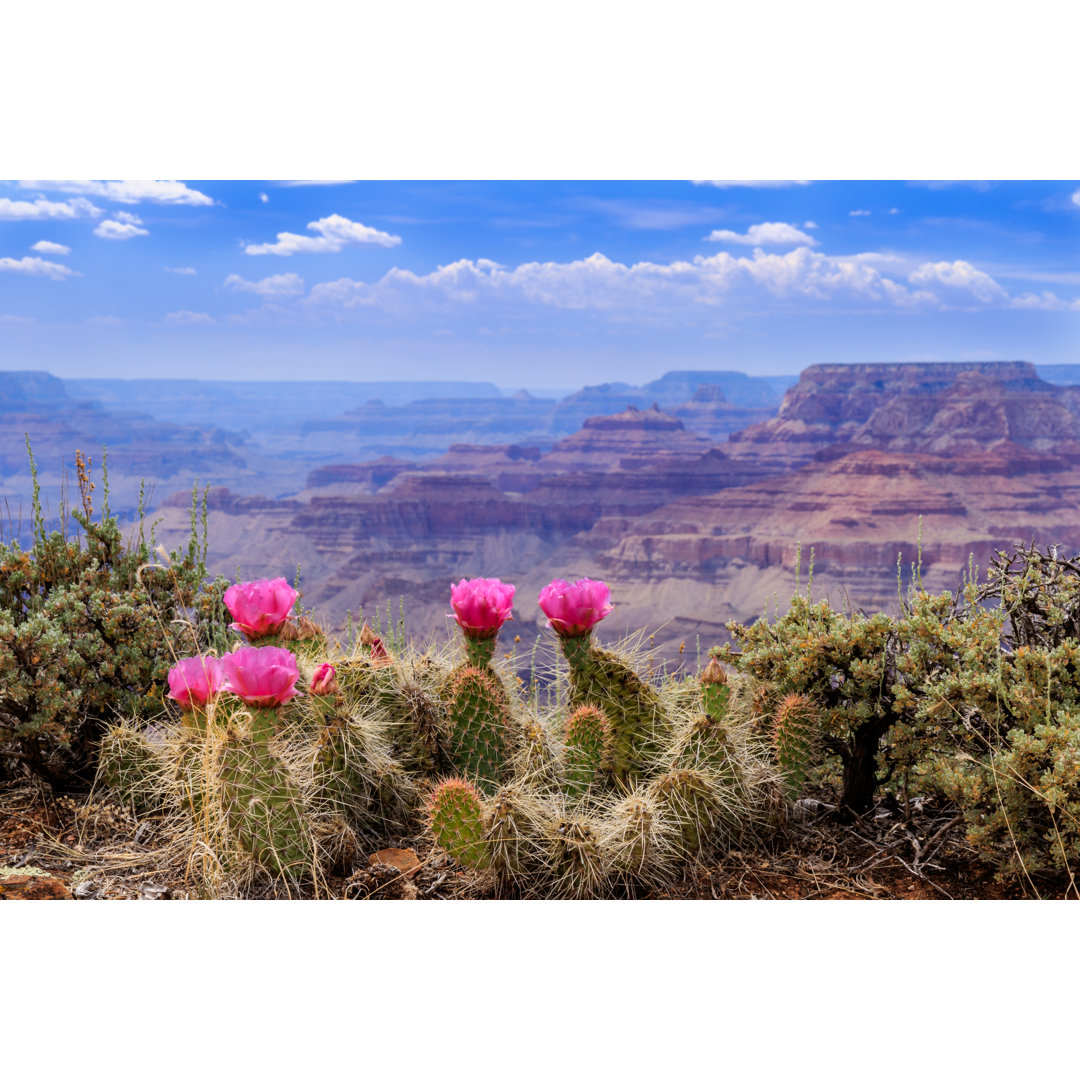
(90, 848)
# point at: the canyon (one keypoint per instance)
(872, 472)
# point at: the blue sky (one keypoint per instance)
(531, 284)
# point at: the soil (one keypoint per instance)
(75, 846)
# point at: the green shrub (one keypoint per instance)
(89, 626)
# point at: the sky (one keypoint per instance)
(545, 284)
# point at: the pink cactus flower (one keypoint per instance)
(324, 681)
(264, 677)
(481, 605)
(575, 609)
(260, 607)
(194, 681)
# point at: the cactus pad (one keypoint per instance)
(456, 817)
(588, 747)
(479, 714)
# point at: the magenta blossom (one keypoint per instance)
(260, 607)
(575, 609)
(481, 606)
(194, 681)
(324, 681)
(264, 677)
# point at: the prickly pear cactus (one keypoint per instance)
(794, 730)
(262, 807)
(130, 764)
(714, 690)
(480, 726)
(636, 839)
(588, 748)
(577, 870)
(690, 799)
(602, 679)
(456, 816)
(354, 772)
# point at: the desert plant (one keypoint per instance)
(89, 625)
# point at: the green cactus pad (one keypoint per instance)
(479, 651)
(261, 805)
(588, 747)
(794, 731)
(689, 798)
(457, 817)
(479, 719)
(601, 678)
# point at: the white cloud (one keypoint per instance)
(163, 192)
(47, 210)
(960, 277)
(47, 247)
(186, 271)
(121, 230)
(1076, 197)
(767, 234)
(753, 183)
(335, 232)
(894, 210)
(14, 320)
(127, 217)
(278, 285)
(190, 318)
(810, 225)
(1044, 301)
(105, 320)
(641, 290)
(263, 197)
(858, 213)
(36, 267)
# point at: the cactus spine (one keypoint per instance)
(689, 798)
(261, 804)
(588, 742)
(456, 817)
(577, 864)
(632, 706)
(794, 729)
(479, 713)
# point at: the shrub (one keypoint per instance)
(89, 625)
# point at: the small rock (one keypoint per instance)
(87, 890)
(403, 859)
(32, 887)
(149, 891)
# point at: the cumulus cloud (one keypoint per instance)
(753, 183)
(124, 227)
(334, 233)
(47, 247)
(600, 284)
(277, 285)
(163, 192)
(263, 197)
(858, 213)
(36, 267)
(1076, 197)
(767, 234)
(47, 210)
(186, 271)
(190, 318)
(959, 278)
(1044, 301)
